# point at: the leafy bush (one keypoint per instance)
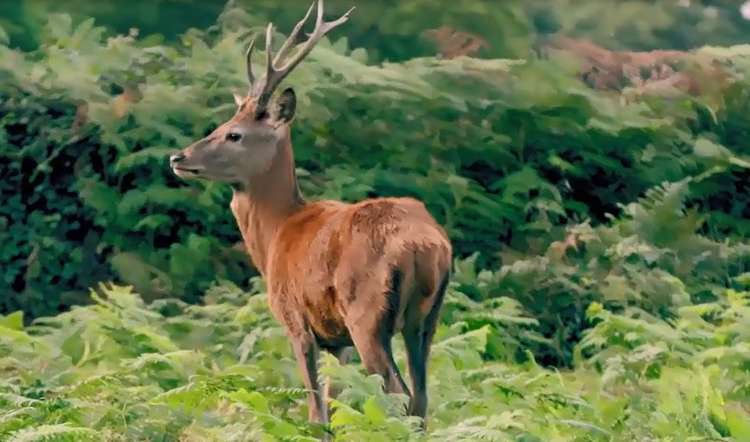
(505, 153)
(397, 30)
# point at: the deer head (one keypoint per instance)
(246, 145)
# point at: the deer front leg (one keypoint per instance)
(306, 352)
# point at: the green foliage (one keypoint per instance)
(120, 369)
(601, 283)
(397, 30)
(505, 153)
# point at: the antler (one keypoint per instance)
(263, 88)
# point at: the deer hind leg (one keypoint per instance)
(306, 351)
(418, 339)
(375, 352)
(371, 330)
(413, 338)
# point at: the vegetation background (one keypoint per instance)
(590, 160)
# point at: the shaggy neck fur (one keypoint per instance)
(265, 202)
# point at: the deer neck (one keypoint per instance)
(262, 205)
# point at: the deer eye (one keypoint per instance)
(234, 137)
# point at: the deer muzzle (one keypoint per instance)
(181, 168)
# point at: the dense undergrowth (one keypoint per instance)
(658, 363)
(222, 371)
(597, 202)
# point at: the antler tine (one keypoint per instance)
(248, 57)
(332, 24)
(275, 75)
(293, 36)
(261, 89)
(269, 51)
(321, 29)
(319, 18)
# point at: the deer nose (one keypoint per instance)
(176, 158)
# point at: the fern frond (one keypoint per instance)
(55, 433)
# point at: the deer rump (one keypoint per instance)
(335, 268)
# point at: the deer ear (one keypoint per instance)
(285, 105)
(238, 99)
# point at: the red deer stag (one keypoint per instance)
(337, 274)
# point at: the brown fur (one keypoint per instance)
(347, 283)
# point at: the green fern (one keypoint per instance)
(54, 433)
